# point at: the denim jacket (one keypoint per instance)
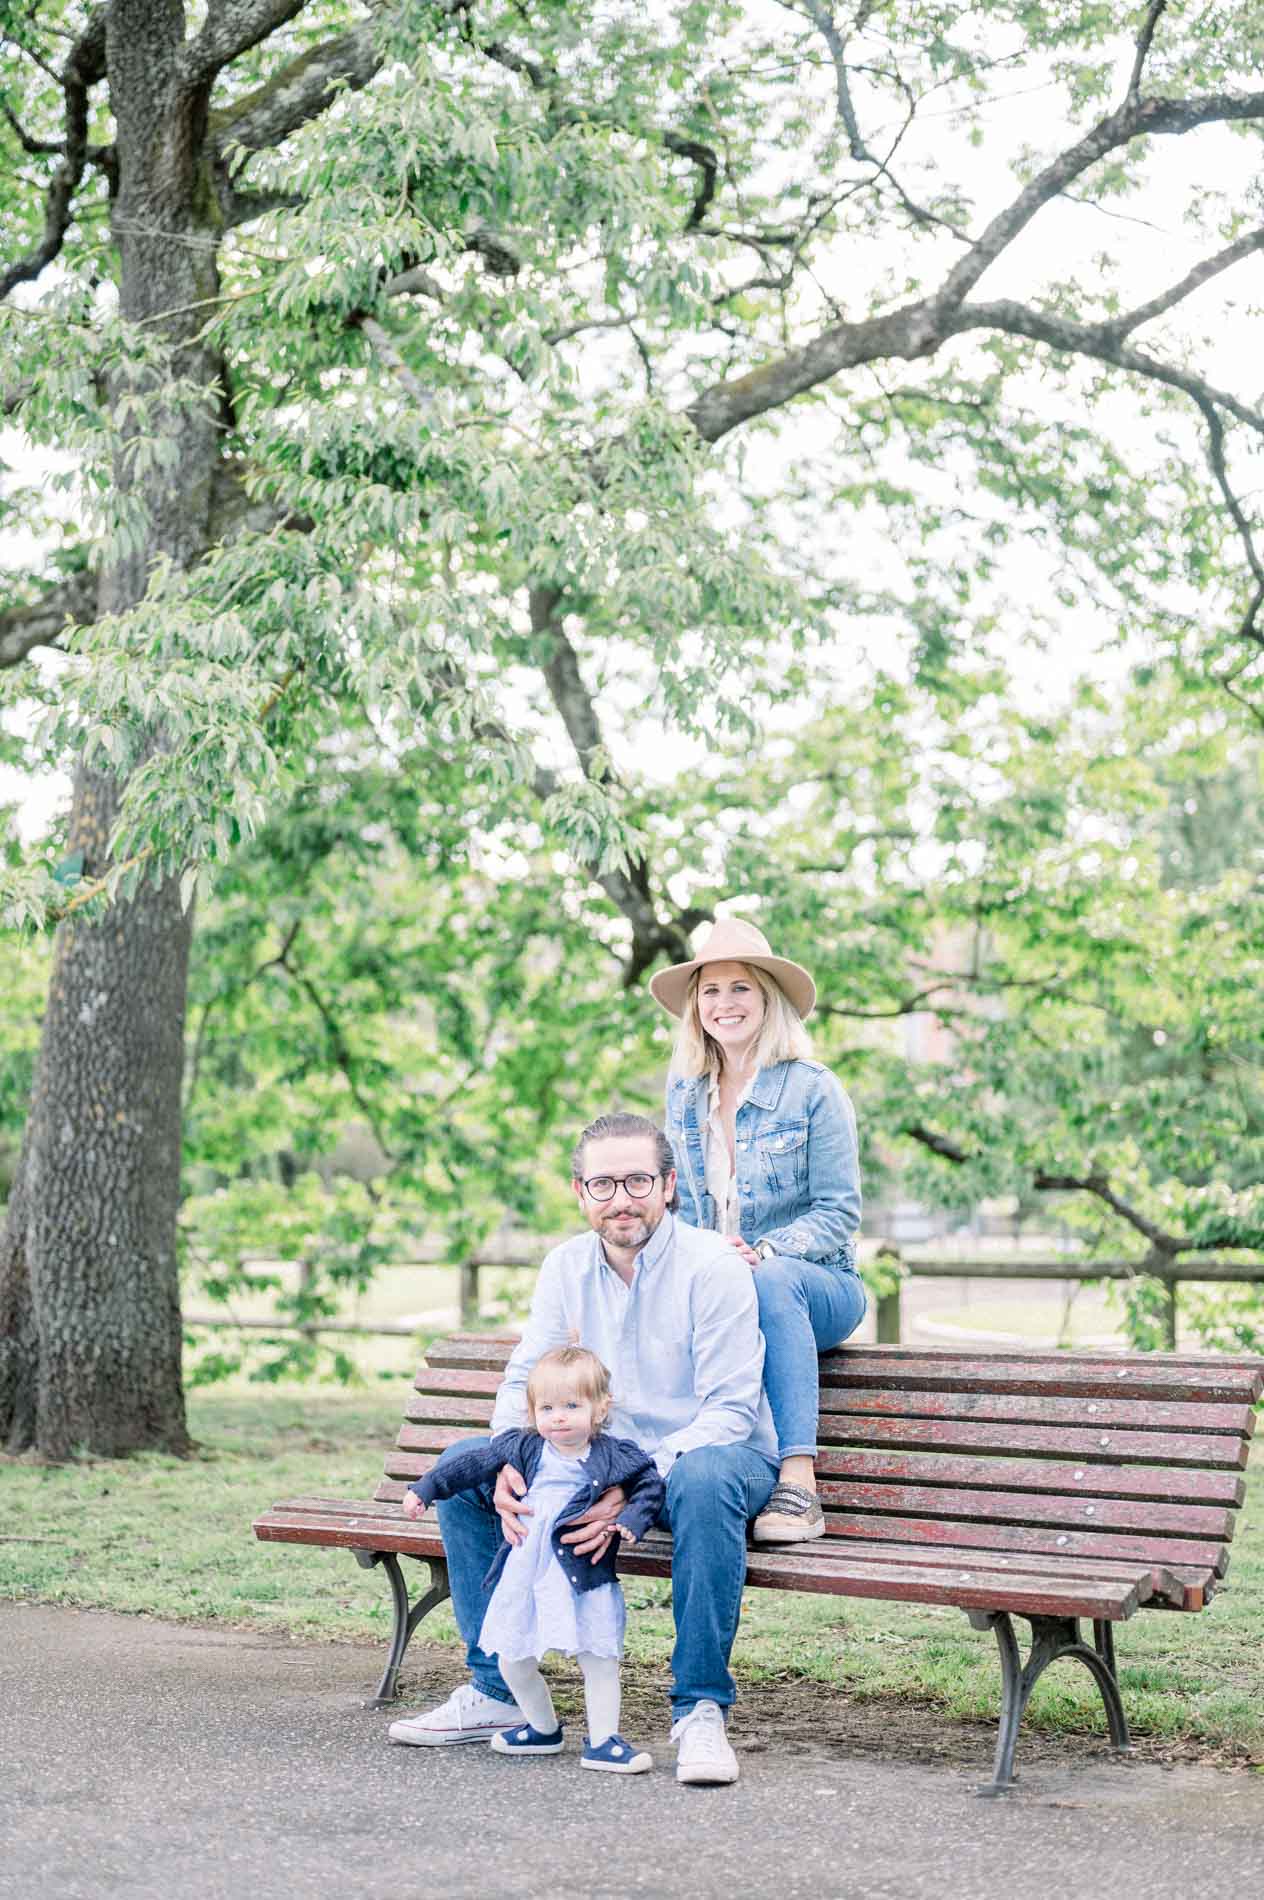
(798, 1166)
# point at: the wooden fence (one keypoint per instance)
(1169, 1274)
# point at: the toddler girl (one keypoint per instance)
(544, 1596)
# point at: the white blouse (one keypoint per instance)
(721, 1174)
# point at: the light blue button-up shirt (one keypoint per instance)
(682, 1343)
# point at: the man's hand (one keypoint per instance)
(511, 1488)
(413, 1506)
(591, 1534)
(739, 1245)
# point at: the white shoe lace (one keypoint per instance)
(702, 1731)
(462, 1703)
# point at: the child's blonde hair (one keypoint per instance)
(781, 1037)
(576, 1367)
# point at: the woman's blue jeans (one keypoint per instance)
(804, 1308)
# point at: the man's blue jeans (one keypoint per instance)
(804, 1308)
(712, 1494)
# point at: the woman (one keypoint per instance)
(765, 1145)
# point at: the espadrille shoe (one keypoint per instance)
(792, 1515)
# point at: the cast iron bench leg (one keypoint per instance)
(1052, 1638)
(406, 1620)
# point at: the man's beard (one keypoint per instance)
(625, 1237)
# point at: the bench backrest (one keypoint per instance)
(1136, 1458)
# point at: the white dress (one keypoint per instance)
(534, 1607)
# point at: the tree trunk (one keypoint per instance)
(19, 1342)
(89, 1290)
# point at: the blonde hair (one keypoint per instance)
(581, 1371)
(781, 1038)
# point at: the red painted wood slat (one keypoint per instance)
(1057, 1375)
(895, 1368)
(1004, 1474)
(467, 1380)
(840, 1399)
(1202, 1557)
(448, 1408)
(1109, 1445)
(1022, 1507)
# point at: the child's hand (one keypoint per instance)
(627, 1536)
(511, 1489)
(413, 1506)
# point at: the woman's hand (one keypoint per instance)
(511, 1488)
(413, 1506)
(591, 1533)
(739, 1246)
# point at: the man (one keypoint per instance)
(672, 1312)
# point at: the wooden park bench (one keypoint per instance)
(1051, 1487)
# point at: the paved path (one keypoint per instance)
(144, 1761)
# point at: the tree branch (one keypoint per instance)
(339, 1046)
(232, 27)
(1136, 118)
(300, 91)
(84, 66)
(1098, 1185)
(1201, 274)
(628, 890)
(1248, 630)
(1161, 1242)
(938, 1144)
(1100, 342)
(73, 601)
(707, 162)
(41, 622)
(1144, 41)
(545, 80)
(824, 22)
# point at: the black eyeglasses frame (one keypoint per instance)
(621, 1181)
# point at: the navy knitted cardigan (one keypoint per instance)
(610, 1461)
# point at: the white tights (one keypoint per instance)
(601, 1694)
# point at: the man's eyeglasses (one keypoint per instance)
(602, 1187)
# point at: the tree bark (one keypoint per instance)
(89, 1288)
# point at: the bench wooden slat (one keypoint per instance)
(1004, 1474)
(447, 1408)
(1018, 1507)
(969, 1584)
(433, 1377)
(1193, 1363)
(1164, 1424)
(1022, 1507)
(1198, 1561)
(986, 1474)
(1161, 1376)
(964, 1589)
(370, 1523)
(1057, 1375)
(362, 1531)
(1110, 1444)
(1201, 1558)
(838, 1398)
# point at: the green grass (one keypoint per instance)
(171, 1539)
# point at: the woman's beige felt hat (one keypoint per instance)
(732, 941)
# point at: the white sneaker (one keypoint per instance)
(703, 1752)
(467, 1716)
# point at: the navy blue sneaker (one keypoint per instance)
(615, 1756)
(527, 1741)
